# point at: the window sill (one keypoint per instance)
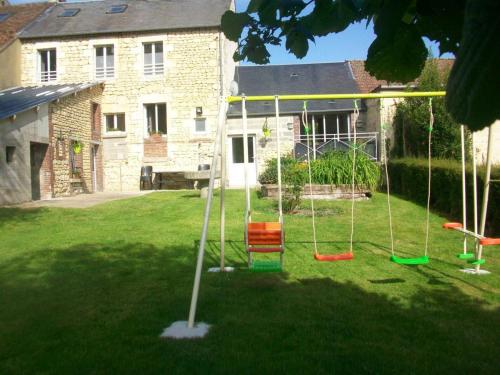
(115, 135)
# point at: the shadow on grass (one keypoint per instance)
(99, 309)
(10, 215)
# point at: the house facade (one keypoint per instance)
(164, 66)
(50, 142)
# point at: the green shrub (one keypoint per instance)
(408, 178)
(295, 176)
(332, 168)
(270, 174)
(335, 168)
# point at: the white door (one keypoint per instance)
(236, 165)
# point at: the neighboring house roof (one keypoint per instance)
(140, 15)
(368, 83)
(323, 78)
(19, 99)
(18, 16)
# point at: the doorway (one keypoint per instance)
(236, 166)
(38, 152)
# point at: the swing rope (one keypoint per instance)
(394, 258)
(431, 128)
(353, 172)
(307, 130)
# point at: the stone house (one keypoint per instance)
(165, 65)
(13, 19)
(383, 110)
(332, 120)
(50, 142)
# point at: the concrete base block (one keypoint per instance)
(180, 330)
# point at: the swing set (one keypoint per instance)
(269, 237)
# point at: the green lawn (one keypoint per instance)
(89, 291)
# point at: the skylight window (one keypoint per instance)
(70, 12)
(3, 16)
(117, 9)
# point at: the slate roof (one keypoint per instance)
(368, 83)
(18, 17)
(323, 78)
(19, 99)
(140, 15)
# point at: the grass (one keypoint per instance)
(89, 291)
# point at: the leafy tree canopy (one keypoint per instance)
(466, 28)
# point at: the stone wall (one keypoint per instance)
(71, 120)
(192, 78)
(26, 129)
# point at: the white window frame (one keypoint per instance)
(106, 72)
(115, 122)
(153, 69)
(49, 75)
(148, 134)
(195, 131)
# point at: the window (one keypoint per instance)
(70, 12)
(238, 151)
(48, 65)
(200, 125)
(3, 16)
(104, 62)
(117, 9)
(156, 118)
(153, 58)
(115, 122)
(9, 154)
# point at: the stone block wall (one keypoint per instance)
(192, 78)
(71, 120)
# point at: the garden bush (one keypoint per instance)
(408, 178)
(332, 168)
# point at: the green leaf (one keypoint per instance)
(296, 42)
(254, 5)
(397, 57)
(233, 23)
(268, 13)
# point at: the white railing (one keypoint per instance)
(153, 69)
(49, 75)
(107, 72)
(367, 142)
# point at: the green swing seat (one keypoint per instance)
(265, 266)
(465, 256)
(476, 262)
(410, 261)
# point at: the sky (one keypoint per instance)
(351, 44)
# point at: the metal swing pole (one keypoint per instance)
(208, 206)
(484, 210)
(247, 184)
(222, 195)
(278, 150)
(464, 192)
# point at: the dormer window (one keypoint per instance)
(117, 9)
(69, 12)
(47, 62)
(104, 61)
(153, 59)
(4, 16)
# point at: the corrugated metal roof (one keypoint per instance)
(322, 78)
(19, 99)
(140, 15)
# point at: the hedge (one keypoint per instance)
(408, 178)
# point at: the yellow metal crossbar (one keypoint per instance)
(414, 94)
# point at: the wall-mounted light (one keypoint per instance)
(289, 126)
(199, 111)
